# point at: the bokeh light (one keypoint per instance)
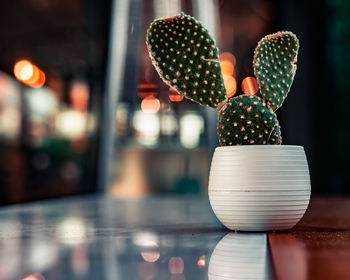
(34, 74)
(168, 123)
(176, 265)
(40, 81)
(29, 74)
(230, 85)
(151, 252)
(147, 86)
(201, 262)
(191, 127)
(23, 70)
(227, 67)
(147, 90)
(35, 276)
(145, 94)
(71, 124)
(150, 105)
(147, 127)
(79, 96)
(72, 231)
(174, 96)
(228, 56)
(250, 85)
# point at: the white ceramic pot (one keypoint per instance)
(259, 187)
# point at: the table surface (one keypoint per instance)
(177, 237)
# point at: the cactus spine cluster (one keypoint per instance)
(186, 58)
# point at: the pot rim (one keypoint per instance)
(260, 147)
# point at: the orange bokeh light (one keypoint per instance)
(150, 104)
(250, 85)
(145, 94)
(29, 74)
(79, 96)
(144, 86)
(174, 97)
(23, 70)
(230, 85)
(41, 81)
(35, 276)
(227, 67)
(34, 77)
(228, 56)
(201, 262)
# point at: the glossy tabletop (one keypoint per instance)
(177, 237)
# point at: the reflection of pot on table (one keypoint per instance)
(240, 256)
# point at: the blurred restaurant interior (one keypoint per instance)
(82, 109)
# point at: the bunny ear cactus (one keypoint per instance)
(274, 66)
(245, 120)
(186, 58)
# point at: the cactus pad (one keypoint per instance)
(246, 120)
(186, 58)
(274, 66)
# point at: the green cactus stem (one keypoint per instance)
(274, 66)
(186, 58)
(247, 120)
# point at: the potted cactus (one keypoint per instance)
(255, 183)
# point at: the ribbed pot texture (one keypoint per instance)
(259, 187)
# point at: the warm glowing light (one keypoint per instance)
(250, 85)
(150, 105)
(23, 70)
(34, 76)
(228, 56)
(151, 252)
(227, 67)
(79, 95)
(230, 85)
(41, 80)
(176, 265)
(35, 276)
(144, 86)
(71, 124)
(150, 256)
(176, 97)
(29, 74)
(201, 262)
(145, 94)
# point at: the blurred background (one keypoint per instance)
(82, 109)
